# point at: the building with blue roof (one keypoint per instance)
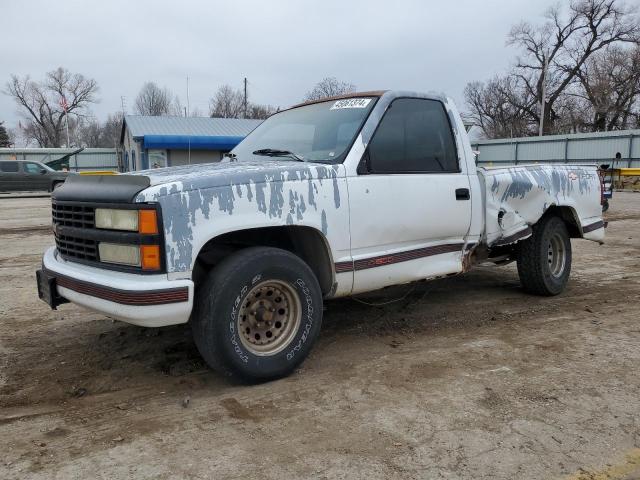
(155, 142)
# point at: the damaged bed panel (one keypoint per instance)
(517, 197)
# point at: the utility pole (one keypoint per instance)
(188, 106)
(543, 101)
(245, 97)
(187, 114)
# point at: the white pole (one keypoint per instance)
(544, 92)
(66, 117)
(188, 107)
(189, 136)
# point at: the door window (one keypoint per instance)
(31, 167)
(9, 167)
(414, 136)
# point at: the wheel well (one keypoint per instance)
(568, 215)
(305, 242)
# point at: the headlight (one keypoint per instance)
(113, 219)
(119, 254)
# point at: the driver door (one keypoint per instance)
(409, 206)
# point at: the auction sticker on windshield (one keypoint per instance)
(351, 103)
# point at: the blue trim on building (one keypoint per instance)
(184, 142)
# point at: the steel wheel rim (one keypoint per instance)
(269, 318)
(556, 255)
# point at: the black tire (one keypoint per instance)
(227, 293)
(605, 205)
(542, 273)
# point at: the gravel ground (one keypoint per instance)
(466, 377)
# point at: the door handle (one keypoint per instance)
(462, 194)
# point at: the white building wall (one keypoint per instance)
(131, 149)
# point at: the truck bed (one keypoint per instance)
(516, 197)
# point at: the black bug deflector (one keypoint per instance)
(101, 188)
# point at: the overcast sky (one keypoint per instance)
(283, 47)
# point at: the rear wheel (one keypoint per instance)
(544, 259)
(258, 314)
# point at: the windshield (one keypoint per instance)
(320, 132)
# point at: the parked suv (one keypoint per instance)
(21, 175)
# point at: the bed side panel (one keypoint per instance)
(516, 198)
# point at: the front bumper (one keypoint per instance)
(145, 300)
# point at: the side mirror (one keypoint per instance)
(43, 171)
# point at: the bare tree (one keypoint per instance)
(92, 133)
(565, 43)
(493, 107)
(572, 43)
(196, 112)
(611, 85)
(87, 133)
(42, 103)
(155, 101)
(111, 130)
(260, 112)
(329, 87)
(227, 103)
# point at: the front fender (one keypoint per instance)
(316, 198)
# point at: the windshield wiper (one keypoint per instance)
(274, 152)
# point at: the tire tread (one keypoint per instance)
(530, 263)
(219, 278)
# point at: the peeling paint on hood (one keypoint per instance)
(201, 201)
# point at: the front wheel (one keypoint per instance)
(544, 259)
(258, 314)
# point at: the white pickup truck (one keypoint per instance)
(323, 200)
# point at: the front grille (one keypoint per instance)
(77, 216)
(75, 247)
(77, 237)
(73, 215)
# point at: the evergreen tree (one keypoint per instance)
(5, 140)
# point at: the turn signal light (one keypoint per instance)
(150, 256)
(147, 222)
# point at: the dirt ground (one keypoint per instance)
(466, 377)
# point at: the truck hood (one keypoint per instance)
(150, 185)
(210, 175)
